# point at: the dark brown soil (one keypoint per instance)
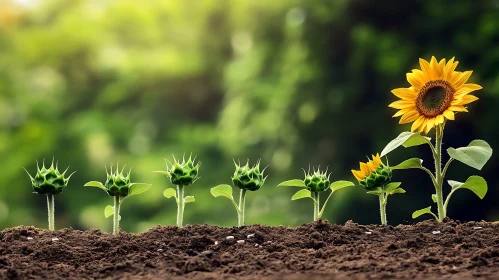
(320, 250)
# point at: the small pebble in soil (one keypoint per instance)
(216, 242)
(256, 245)
(435, 232)
(477, 228)
(160, 250)
(251, 235)
(240, 241)
(230, 237)
(30, 238)
(55, 239)
(368, 232)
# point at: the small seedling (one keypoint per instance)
(49, 182)
(246, 179)
(376, 178)
(313, 184)
(181, 174)
(436, 94)
(118, 186)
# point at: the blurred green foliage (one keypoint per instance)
(290, 82)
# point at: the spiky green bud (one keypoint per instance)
(49, 180)
(247, 178)
(317, 181)
(183, 173)
(378, 178)
(118, 184)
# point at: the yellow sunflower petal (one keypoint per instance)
(422, 126)
(435, 68)
(467, 88)
(401, 112)
(416, 79)
(459, 80)
(417, 123)
(458, 108)
(377, 160)
(468, 99)
(441, 66)
(405, 93)
(439, 119)
(402, 104)
(371, 166)
(449, 115)
(425, 67)
(409, 117)
(358, 175)
(365, 169)
(449, 68)
(429, 125)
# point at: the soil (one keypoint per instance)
(320, 250)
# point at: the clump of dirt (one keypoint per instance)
(426, 250)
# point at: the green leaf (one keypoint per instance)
(222, 190)
(434, 197)
(96, 185)
(410, 163)
(301, 194)
(169, 193)
(476, 154)
(397, 190)
(293, 183)
(189, 199)
(138, 188)
(376, 191)
(476, 184)
(392, 186)
(423, 211)
(108, 211)
(406, 139)
(340, 185)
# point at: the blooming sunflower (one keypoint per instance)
(437, 91)
(373, 173)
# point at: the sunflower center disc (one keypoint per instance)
(434, 98)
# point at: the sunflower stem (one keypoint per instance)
(116, 216)
(439, 130)
(382, 206)
(242, 206)
(315, 196)
(51, 210)
(180, 205)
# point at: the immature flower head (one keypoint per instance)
(117, 184)
(182, 173)
(49, 180)
(373, 174)
(247, 178)
(317, 181)
(436, 92)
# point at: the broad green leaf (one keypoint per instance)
(222, 190)
(169, 193)
(340, 185)
(189, 199)
(410, 163)
(301, 194)
(434, 198)
(476, 184)
(293, 183)
(392, 186)
(476, 154)
(138, 188)
(423, 211)
(108, 211)
(96, 185)
(376, 191)
(406, 139)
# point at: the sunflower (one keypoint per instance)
(437, 91)
(373, 173)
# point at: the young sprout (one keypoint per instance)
(49, 182)
(181, 174)
(118, 186)
(436, 94)
(313, 184)
(375, 177)
(246, 179)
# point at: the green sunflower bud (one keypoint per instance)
(378, 178)
(317, 181)
(247, 178)
(49, 180)
(183, 173)
(118, 184)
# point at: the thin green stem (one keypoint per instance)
(429, 173)
(447, 201)
(382, 206)
(315, 196)
(51, 210)
(324, 204)
(180, 205)
(438, 173)
(242, 206)
(445, 170)
(116, 216)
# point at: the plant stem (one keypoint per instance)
(438, 172)
(315, 196)
(51, 210)
(180, 205)
(382, 207)
(242, 206)
(116, 216)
